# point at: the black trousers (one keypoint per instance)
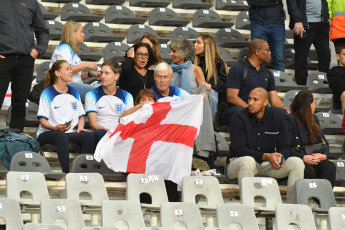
(86, 140)
(318, 35)
(324, 170)
(18, 70)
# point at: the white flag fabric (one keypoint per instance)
(157, 139)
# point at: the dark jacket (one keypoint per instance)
(336, 80)
(20, 20)
(298, 136)
(266, 11)
(297, 12)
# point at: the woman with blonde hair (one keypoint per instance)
(72, 36)
(213, 66)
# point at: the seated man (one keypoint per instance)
(336, 79)
(258, 139)
(246, 75)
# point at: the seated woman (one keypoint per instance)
(303, 131)
(105, 104)
(72, 36)
(213, 66)
(59, 111)
(135, 76)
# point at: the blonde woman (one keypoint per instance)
(72, 36)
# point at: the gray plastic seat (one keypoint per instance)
(42, 71)
(191, 4)
(317, 83)
(242, 21)
(87, 55)
(105, 2)
(30, 115)
(116, 51)
(289, 97)
(55, 29)
(230, 38)
(289, 58)
(284, 82)
(340, 173)
(10, 212)
(313, 59)
(153, 185)
(181, 215)
(165, 17)
(330, 123)
(149, 3)
(122, 15)
(62, 209)
(320, 189)
(61, 1)
(225, 53)
(31, 226)
(78, 12)
(115, 212)
(215, 228)
(336, 218)
(46, 14)
(243, 54)
(184, 33)
(135, 33)
(99, 32)
(209, 19)
(156, 228)
(289, 39)
(165, 53)
(207, 186)
(229, 215)
(294, 215)
(231, 5)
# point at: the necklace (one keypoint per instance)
(141, 78)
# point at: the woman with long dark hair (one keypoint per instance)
(307, 139)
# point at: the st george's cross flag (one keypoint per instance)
(157, 139)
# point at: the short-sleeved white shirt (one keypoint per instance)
(108, 107)
(64, 52)
(59, 108)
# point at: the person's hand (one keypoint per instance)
(2, 56)
(273, 158)
(81, 129)
(298, 29)
(130, 52)
(96, 74)
(311, 160)
(34, 53)
(319, 156)
(205, 97)
(287, 110)
(61, 127)
(207, 86)
(92, 65)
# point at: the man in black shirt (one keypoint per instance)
(258, 140)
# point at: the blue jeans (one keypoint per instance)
(214, 102)
(274, 34)
(82, 88)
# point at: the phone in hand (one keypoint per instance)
(281, 160)
(68, 123)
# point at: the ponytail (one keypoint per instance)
(50, 76)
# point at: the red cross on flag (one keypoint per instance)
(158, 139)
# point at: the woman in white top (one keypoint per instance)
(72, 36)
(59, 112)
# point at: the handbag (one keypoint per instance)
(310, 149)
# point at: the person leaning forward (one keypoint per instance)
(258, 139)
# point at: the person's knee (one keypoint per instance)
(61, 137)
(295, 164)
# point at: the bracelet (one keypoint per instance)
(89, 74)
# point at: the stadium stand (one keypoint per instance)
(231, 5)
(330, 123)
(236, 214)
(31, 226)
(30, 115)
(166, 17)
(122, 15)
(99, 32)
(191, 4)
(340, 173)
(87, 55)
(294, 215)
(165, 51)
(47, 15)
(116, 51)
(10, 212)
(55, 29)
(242, 21)
(317, 83)
(148, 3)
(184, 33)
(105, 2)
(78, 12)
(230, 38)
(336, 218)
(209, 19)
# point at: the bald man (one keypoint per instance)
(258, 139)
(239, 88)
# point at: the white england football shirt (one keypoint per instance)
(108, 107)
(59, 108)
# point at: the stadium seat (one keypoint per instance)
(284, 82)
(243, 54)
(105, 2)
(116, 212)
(289, 58)
(319, 189)
(289, 39)
(242, 21)
(340, 173)
(184, 33)
(313, 59)
(31, 226)
(116, 51)
(61, 1)
(87, 55)
(230, 38)
(42, 71)
(166, 17)
(336, 218)
(215, 228)
(10, 212)
(149, 3)
(135, 33)
(236, 214)
(30, 115)
(330, 123)
(225, 53)
(231, 5)
(209, 19)
(62, 209)
(85, 163)
(181, 215)
(289, 97)
(156, 228)
(165, 53)
(191, 4)
(294, 216)
(99, 32)
(222, 145)
(78, 12)
(55, 29)
(47, 15)
(317, 83)
(122, 15)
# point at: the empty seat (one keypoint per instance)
(165, 53)
(330, 123)
(10, 212)
(157, 228)
(105, 2)
(340, 173)
(336, 218)
(136, 32)
(191, 4)
(225, 53)
(231, 5)
(289, 58)
(284, 82)
(313, 59)
(31, 226)
(242, 21)
(122, 15)
(229, 215)
(184, 33)
(99, 32)
(317, 83)
(165, 17)
(78, 12)
(116, 51)
(60, 1)
(55, 29)
(209, 19)
(42, 71)
(230, 38)
(149, 3)
(289, 39)
(119, 213)
(86, 54)
(289, 97)
(30, 115)
(294, 216)
(47, 15)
